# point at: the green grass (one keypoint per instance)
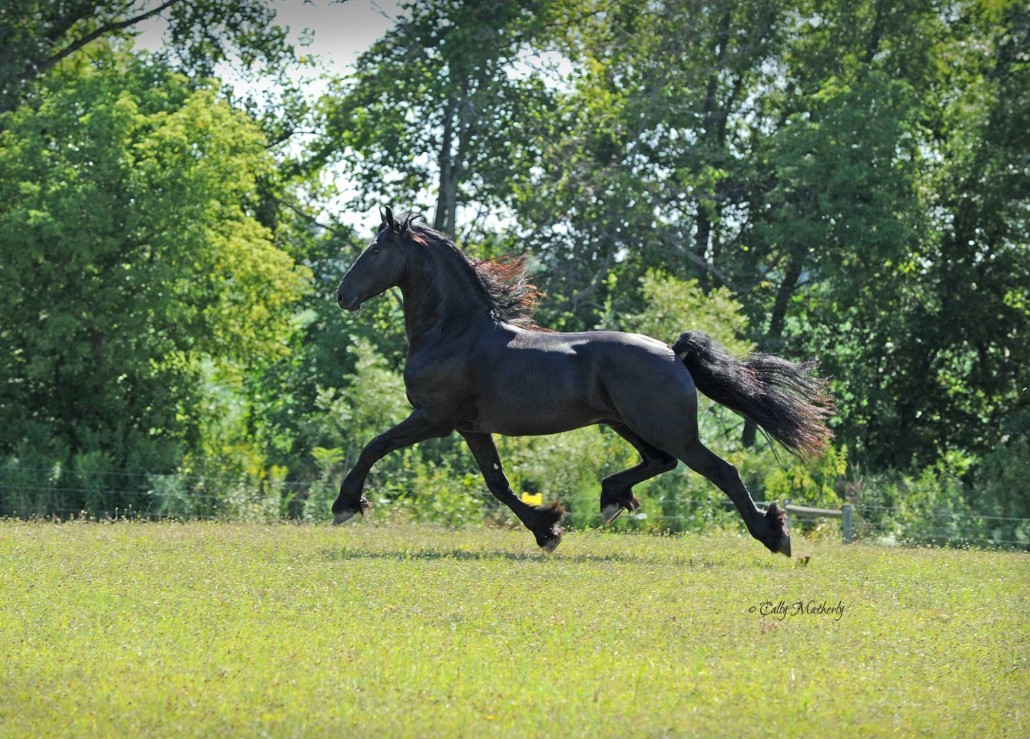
(219, 629)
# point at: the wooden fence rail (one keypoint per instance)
(846, 515)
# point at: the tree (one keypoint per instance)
(888, 210)
(435, 111)
(36, 35)
(647, 161)
(965, 362)
(132, 261)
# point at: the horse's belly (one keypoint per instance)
(535, 419)
(540, 400)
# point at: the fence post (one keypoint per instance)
(847, 511)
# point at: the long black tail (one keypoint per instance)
(782, 397)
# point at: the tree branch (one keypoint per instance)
(312, 219)
(704, 264)
(34, 69)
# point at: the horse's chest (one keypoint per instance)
(440, 383)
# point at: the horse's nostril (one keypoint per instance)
(345, 302)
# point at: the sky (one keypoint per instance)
(338, 31)
(341, 31)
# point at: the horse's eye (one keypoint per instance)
(375, 248)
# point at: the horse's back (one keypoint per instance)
(534, 382)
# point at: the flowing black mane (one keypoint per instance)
(504, 282)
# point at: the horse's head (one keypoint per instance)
(380, 266)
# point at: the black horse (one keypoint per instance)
(478, 365)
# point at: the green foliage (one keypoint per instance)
(37, 35)
(438, 88)
(926, 508)
(671, 306)
(433, 482)
(133, 265)
(953, 501)
(1001, 480)
(839, 180)
(373, 401)
(322, 492)
(567, 468)
(30, 487)
(438, 493)
(814, 484)
(289, 396)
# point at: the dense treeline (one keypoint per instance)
(843, 180)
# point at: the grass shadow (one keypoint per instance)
(340, 555)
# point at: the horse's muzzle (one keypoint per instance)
(347, 302)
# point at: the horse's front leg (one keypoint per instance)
(541, 520)
(415, 428)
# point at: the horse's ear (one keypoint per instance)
(388, 218)
(407, 222)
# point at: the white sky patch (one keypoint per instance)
(332, 35)
(556, 71)
(336, 32)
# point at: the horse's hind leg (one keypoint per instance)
(617, 490)
(671, 425)
(662, 410)
(541, 520)
(770, 527)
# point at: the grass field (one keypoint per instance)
(242, 630)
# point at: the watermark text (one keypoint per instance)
(782, 609)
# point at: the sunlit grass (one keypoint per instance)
(218, 629)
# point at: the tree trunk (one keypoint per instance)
(876, 33)
(778, 319)
(445, 196)
(714, 132)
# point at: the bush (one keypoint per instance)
(1001, 491)
(30, 487)
(812, 483)
(317, 505)
(957, 500)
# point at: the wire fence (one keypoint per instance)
(865, 528)
(40, 493)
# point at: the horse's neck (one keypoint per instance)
(442, 300)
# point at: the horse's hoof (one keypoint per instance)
(346, 514)
(784, 547)
(551, 543)
(611, 512)
(343, 516)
